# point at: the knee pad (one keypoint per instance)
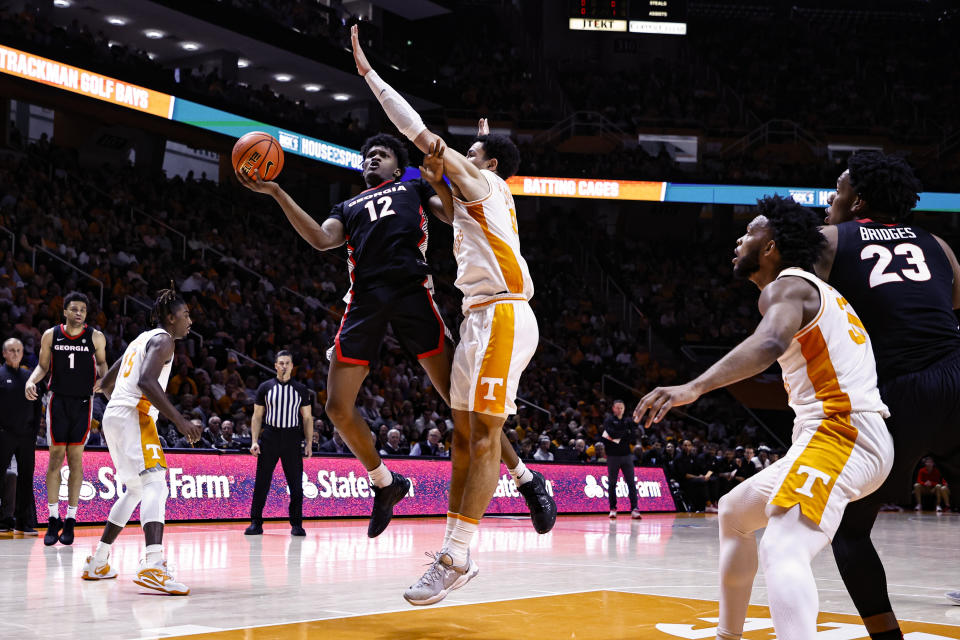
(155, 492)
(123, 508)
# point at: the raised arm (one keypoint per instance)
(782, 305)
(329, 235)
(43, 365)
(462, 173)
(159, 351)
(432, 171)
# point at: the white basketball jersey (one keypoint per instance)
(829, 368)
(126, 392)
(486, 244)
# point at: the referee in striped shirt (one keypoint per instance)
(282, 422)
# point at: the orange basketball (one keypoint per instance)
(258, 150)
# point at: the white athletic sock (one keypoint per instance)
(72, 511)
(381, 476)
(460, 537)
(154, 555)
(521, 475)
(451, 523)
(54, 510)
(102, 552)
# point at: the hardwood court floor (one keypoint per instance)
(588, 579)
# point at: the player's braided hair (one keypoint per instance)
(167, 302)
(885, 182)
(796, 230)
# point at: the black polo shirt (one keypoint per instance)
(17, 414)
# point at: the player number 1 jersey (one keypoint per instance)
(126, 391)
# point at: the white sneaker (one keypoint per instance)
(94, 571)
(939, 509)
(159, 578)
(440, 579)
(918, 507)
(613, 515)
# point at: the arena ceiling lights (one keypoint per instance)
(32, 68)
(117, 20)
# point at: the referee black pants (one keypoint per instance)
(283, 445)
(23, 447)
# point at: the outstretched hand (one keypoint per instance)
(363, 66)
(658, 402)
(253, 182)
(432, 167)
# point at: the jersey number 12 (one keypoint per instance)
(385, 210)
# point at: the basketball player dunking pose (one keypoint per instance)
(905, 284)
(499, 333)
(136, 386)
(73, 356)
(841, 449)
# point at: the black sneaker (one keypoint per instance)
(255, 529)
(54, 525)
(67, 536)
(24, 530)
(384, 500)
(6, 525)
(297, 530)
(543, 510)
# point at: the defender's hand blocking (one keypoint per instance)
(658, 402)
(254, 183)
(363, 67)
(432, 167)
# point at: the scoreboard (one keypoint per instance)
(635, 16)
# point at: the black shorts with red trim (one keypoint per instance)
(408, 308)
(68, 420)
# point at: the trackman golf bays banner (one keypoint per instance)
(210, 486)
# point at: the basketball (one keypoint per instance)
(258, 150)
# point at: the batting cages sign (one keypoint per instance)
(210, 486)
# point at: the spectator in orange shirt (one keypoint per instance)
(929, 481)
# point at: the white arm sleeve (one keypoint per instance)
(401, 114)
